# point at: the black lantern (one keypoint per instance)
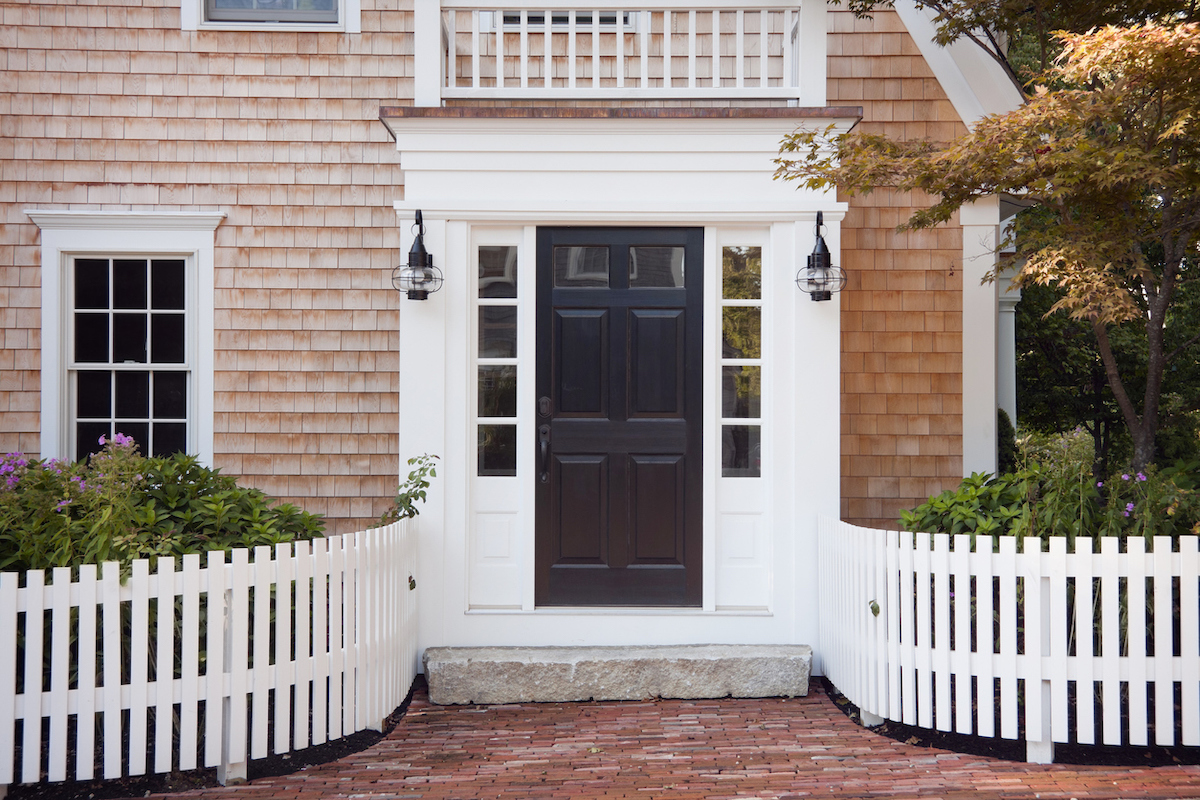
(419, 276)
(820, 279)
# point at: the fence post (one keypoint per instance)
(1037, 602)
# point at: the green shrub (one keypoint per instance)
(1006, 443)
(1055, 494)
(121, 506)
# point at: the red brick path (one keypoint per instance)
(680, 749)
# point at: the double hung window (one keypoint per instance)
(281, 11)
(128, 369)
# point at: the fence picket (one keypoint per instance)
(1164, 647)
(8, 675)
(940, 565)
(960, 564)
(350, 624)
(285, 673)
(1189, 642)
(216, 661)
(1110, 641)
(139, 655)
(110, 593)
(321, 641)
(337, 627)
(892, 607)
(1136, 585)
(31, 741)
(260, 682)
(189, 661)
(300, 735)
(985, 641)
(1085, 625)
(60, 671)
(164, 664)
(1006, 666)
(237, 657)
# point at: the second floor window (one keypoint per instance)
(271, 10)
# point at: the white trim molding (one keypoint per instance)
(66, 233)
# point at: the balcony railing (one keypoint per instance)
(573, 51)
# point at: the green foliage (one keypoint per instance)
(121, 506)
(412, 490)
(1055, 494)
(1006, 442)
(1111, 160)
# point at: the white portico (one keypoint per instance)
(766, 454)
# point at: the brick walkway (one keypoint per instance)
(680, 750)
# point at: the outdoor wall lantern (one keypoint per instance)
(419, 276)
(820, 279)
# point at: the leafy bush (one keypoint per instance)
(412, 490)
(1006, 442)
(121, 506)
(1056, 495)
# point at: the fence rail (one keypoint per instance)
(209, 665)
(1085, 647)
(588, 51)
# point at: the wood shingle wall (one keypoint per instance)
(902, 308)
(113, 107)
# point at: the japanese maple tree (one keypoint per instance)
(1109, 162)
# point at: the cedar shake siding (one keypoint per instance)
(113, 107)
(902, 307)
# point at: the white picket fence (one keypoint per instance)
(209, 665)
(1050, 646)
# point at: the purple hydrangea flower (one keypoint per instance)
(1099, 484)
(1128, 508)
(1125, 477)
(1141, 476)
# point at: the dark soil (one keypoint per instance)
(145, 785)
(1014, 749)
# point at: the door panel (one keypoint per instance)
(619, 381)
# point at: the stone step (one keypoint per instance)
(491, 675)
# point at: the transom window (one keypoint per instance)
(128, 368)
(271, 10)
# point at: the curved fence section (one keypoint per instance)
(1098, 645)
(208, 663)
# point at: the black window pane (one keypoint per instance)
(166, 284)
(741, 329)
(656, 267)
(741, 451)
(497, 272)
(741, 391)
(87, 437)
(91, 283)
(497, 449)
(170, 395)
(166, 338)
(498, 332)
(129, 284)
(93, 395)
(138, 431)
(91, 338)
(169, 437)
(129, 338)
(581, 266)
(498, 391)
(133, 394)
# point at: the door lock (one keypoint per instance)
(544, 406)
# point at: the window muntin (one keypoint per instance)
(496, 372)
(127, 366)
(741, 362)
(283, 11)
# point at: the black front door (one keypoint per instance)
(619, 385)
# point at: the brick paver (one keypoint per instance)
(681, 749)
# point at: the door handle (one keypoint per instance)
(544, 447)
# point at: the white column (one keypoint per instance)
(428, 54)
(981, 236)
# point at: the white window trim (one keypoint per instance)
(66, 234)
(349, 20)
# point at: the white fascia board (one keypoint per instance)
(976, 85)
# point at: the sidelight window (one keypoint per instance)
(741, 362)
(496, 403)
